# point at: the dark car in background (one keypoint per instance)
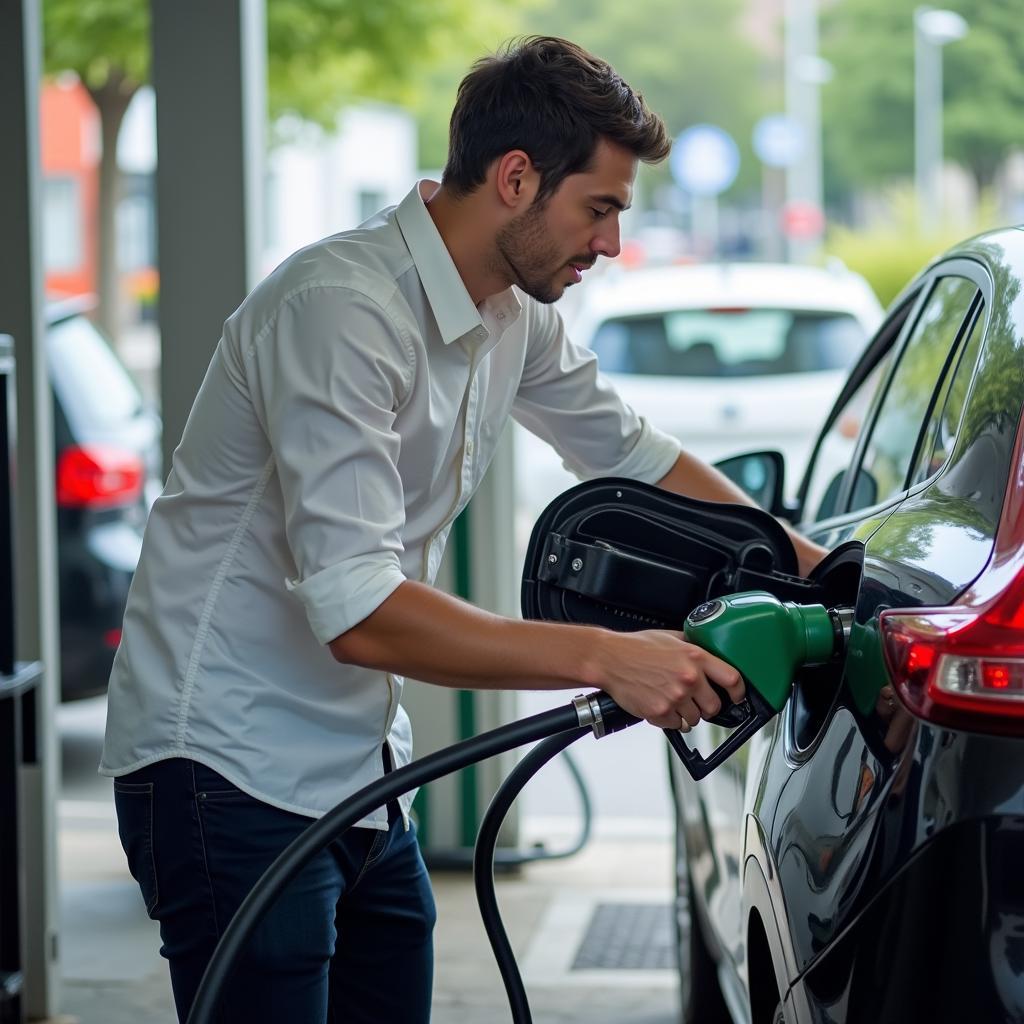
(107, 460)
(862, 858)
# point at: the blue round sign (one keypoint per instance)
(778, 140)
(704, 160)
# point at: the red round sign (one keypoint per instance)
(801, 219)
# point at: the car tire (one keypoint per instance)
(699, 992)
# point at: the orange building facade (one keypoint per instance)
(70, 154)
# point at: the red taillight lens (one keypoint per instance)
(963, 666)
(959, 666)
(95, 476)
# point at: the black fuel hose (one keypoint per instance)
(294, 857)
(483, 865)
(461, 859)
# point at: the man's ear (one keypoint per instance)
(516, 180)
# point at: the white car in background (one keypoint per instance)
(728, 358)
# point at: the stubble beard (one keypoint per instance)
(524, 248)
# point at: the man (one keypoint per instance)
(350, 409)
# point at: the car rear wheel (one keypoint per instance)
(702, 1001)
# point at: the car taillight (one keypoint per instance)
(97, 476)
(963, 665)
(959, 668)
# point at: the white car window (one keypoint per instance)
(728, 342)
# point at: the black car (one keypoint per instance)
(860, 858)
(107, 459)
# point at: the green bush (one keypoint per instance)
(891, 252)
(888, 258)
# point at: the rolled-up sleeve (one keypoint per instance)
(564, 400)
(327, 375)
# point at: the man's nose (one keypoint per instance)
(607, 241)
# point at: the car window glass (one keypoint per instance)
(944, 422)
(897, 426)
(728, 343)
(833, 457)
(92, 385)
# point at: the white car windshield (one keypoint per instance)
(728, 342)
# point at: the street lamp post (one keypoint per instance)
(805, 73)
(933, 29)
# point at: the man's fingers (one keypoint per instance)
(708, 701)
(726, 676)
(689, 712)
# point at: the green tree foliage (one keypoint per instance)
(891, 251)
(321, 55)
(869, 105)
(101, 40)
(436, 86)
(106, 42)
(324, 53)
(689, 58)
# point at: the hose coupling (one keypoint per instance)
(588, 711)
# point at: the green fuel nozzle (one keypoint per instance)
(768, 641)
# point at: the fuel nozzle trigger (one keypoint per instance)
(768, 641)
(744, 718)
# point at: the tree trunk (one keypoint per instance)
(111, 99)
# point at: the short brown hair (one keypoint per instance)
(553, 100)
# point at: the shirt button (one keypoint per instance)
(501, 316)
(469, 447)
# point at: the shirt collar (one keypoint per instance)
(450, 303)
(501, 311)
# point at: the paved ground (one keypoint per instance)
(113, 974)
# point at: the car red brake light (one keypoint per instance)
(958, 668)
(963, 665)
(97, 476)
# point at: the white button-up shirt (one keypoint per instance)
(351, 408)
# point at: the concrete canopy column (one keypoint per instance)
(21, 315)
(209, 76)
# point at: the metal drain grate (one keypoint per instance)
(628, 937)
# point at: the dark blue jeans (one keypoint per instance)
(348, 942)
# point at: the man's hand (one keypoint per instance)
(658, 676)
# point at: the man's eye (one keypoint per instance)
(598, 214)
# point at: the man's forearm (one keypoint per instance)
(695, 479)
(429, 635)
